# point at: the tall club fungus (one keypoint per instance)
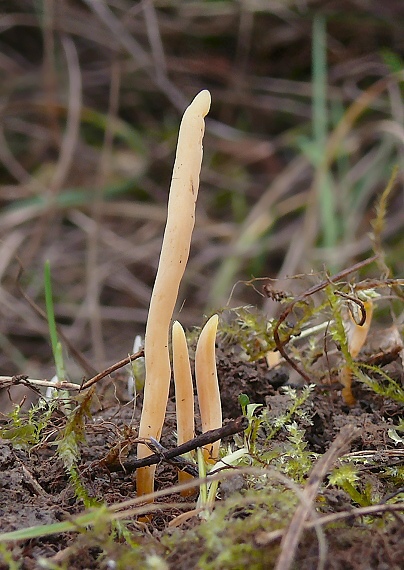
(173, 259)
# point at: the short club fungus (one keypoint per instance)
(173, 259)
(356, 334)
(184, 393)
(207, 385)
(207, 388)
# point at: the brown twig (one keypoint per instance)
(357, 302)
(180, 463)
(7, 381)
(280, 344)
(291, 538)
(111, 369)
(231, 428)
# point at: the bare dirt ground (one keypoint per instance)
(35, 489)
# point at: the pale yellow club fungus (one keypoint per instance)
(184, 394)
(173, 259)
(356, 334)
(273, 358)
(207, 385)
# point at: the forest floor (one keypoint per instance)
(318, 471)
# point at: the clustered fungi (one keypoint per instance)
(173, 259)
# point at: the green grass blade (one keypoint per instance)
(320, 129)
(50, 312)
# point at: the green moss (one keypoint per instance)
(226, 540)
(25, 429)
(68, 445)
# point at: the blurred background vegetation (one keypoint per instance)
(305, 129)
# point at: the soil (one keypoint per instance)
(35, 489)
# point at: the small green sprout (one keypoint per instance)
(345, 476)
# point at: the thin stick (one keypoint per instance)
(315, 289)
(111, 369)
(7, 381)
(264, 539)
(22, 379)
(180, 463)
(233, 427)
